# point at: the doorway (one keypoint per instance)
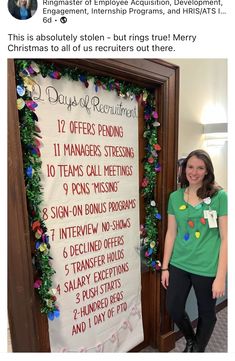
(29, 329)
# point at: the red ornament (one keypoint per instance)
(202, 220)
(39, 231)
(191, 224)
(157, 147)
(35, 225)
(145, 182)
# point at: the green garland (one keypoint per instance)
(30, 139)
(149, 231)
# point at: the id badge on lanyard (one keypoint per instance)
(211, 216)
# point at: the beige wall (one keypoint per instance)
(203, 98)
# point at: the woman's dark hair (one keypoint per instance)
(209, 188)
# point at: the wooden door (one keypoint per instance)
(29, 329)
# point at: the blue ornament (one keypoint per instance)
(186, 236)
(20, 90)
(29, 171)
(82, 78)
(33, 150)
(57, 313)
(158, 216)
(51, 316)
(38, 244)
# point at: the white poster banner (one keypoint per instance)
(90, 182)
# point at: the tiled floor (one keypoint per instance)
(217, 343)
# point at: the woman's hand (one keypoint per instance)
(165, 279)
(218, 288)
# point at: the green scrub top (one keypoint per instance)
(196, 247)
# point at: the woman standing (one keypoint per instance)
(22, 10)
(195, 253)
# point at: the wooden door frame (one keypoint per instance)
(27, 324)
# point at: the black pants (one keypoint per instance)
(180, 284)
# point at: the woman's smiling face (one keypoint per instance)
(195, 171)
